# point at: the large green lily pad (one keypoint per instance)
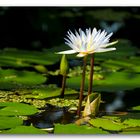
(13, 79)
(74, 129)
(9, 122)
(22, 57)
(14, 109)
(129, 65)
(24, 130)
(113, 81)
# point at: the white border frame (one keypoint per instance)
(69, 2)
(65, 3)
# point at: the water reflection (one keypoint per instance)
(117, 102)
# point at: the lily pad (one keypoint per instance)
(49, 92)
(14, 109)
(13, 79)
(129, 65)
(107, 124)
(74, 129)
(29, 57)
(132, 122)
(24, 130)
(113, 81)
(9, 122)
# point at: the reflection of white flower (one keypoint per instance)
(88, 42)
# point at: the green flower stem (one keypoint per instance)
(82, 87)
(91, 74)
(63, 86)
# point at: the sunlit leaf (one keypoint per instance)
(107, 124)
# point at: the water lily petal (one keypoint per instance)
(67, 52)
(104, 50)
(109, 44)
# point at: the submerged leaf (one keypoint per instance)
(112, 81)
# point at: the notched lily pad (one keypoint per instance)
(107, 124)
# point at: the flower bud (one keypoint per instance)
(64, 65)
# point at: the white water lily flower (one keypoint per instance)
(88, 42)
